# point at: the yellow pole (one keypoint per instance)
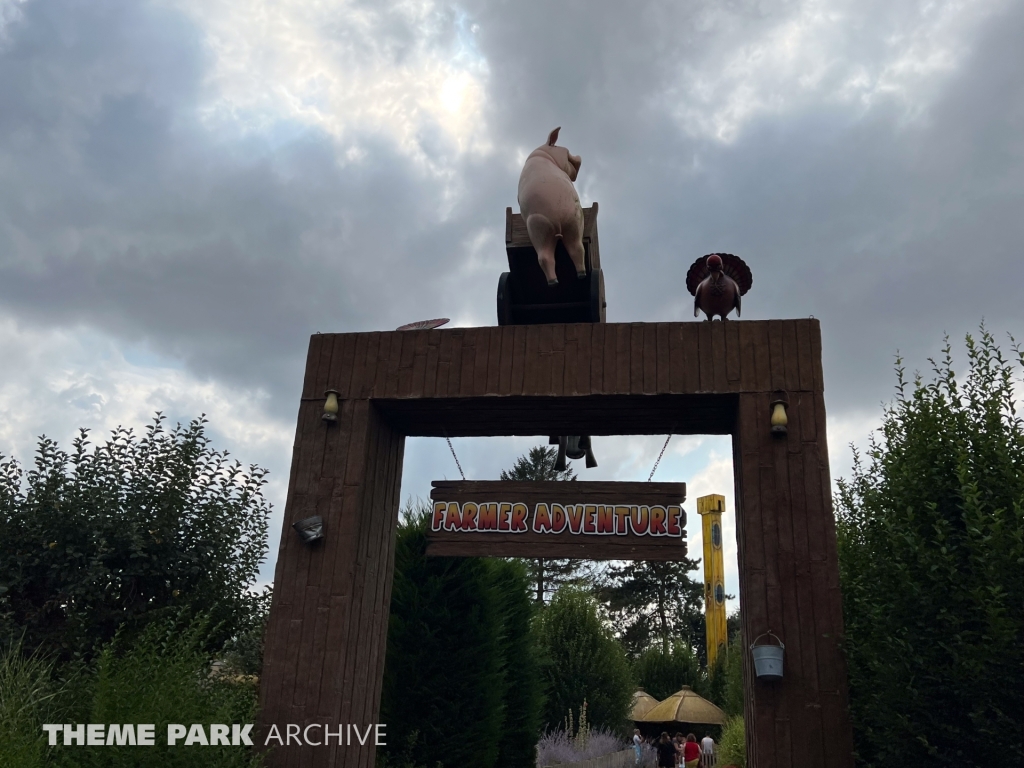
(710, 509)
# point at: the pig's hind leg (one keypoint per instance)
(574, 247)
(572, 239)
(542, 236)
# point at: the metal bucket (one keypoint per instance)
(768, 658)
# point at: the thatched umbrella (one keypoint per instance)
(685, 706)
(643, 703)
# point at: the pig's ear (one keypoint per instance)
(553, 136)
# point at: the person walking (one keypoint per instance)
(707, 746)
(637, 746)
(691, 752)
(666, 752)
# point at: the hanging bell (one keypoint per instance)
(560, 465)
(572, 447)
(585, 444)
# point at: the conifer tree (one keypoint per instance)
(655, 602)
(443, 690)
(524, 697)
(462, 680)
(547, 574)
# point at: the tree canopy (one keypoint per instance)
(547, 574)
(116, 534)
(582, 662)
(652, 602)
(662, 672)
(462, 683)
(931, 545)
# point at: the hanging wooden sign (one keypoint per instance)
(557, 519)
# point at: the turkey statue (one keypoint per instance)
(717, 281)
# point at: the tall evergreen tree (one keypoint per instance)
(931, 542)
(655, 602)
(583, 662)
(524, 697)
(547, 574)
(444, 683)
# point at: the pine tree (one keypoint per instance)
(547, 575)
(655, 602)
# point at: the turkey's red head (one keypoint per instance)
(715, 262)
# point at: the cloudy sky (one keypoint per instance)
(190, 188)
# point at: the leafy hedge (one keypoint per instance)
(931, 556)
(161, 677)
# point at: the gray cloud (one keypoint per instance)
(892, 215)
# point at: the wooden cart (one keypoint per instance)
(524, 296)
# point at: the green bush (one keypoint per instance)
(732, 747)
(733, 699)
(109, 537)
(931, 545)
(161, 677)
(662, 673)
(30, 695)
(583, 663)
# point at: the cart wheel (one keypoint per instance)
(504, 300)
(597, 302)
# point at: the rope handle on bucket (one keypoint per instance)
(770, 634)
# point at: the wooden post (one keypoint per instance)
(789, 583)
(326, 638)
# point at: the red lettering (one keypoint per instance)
(503, 512)
(588, 518)
(639, 520)
(452, 518)
(488, 519)
(558, 521)
(574, 514)
(541, 519)
(606, 519)
(658, 521)
(621, 516)
(519, 513)
(437, 519)
(469, 516)
(673, 526)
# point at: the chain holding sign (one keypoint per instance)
(558, 519)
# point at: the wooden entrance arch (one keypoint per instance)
(325, 644)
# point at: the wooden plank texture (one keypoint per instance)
(326, 636)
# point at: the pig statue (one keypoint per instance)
(550, 207)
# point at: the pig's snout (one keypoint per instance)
(574, 164)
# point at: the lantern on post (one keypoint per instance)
(330, 414)
(779, 419)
